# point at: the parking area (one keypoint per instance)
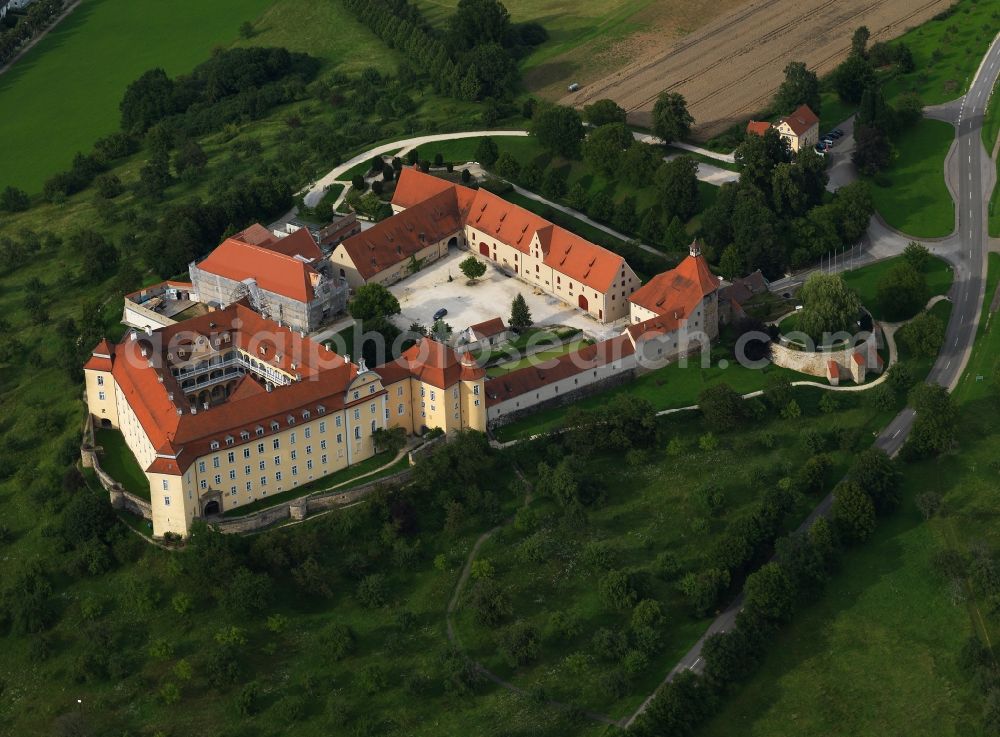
(429, 290)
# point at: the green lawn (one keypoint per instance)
(877, 653)
(66, 90)
(946, 52)
(865, 280)
(535, 358)
(991, 121)
(833, 110)
(669, 387)
(117, 461)
(916, 200)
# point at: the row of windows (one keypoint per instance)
(275, 425)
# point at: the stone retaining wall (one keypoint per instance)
(815, 363)
(120, 498)
(299, 509)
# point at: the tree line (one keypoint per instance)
(802, 562)
(474, 59)
(39, 15)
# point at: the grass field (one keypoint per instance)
(535, 358)
(916, 200)
(66, 90)
(877, 653)
(651, 507)
(865, 280)
(946, 52)
(991, 121)
(118, 461)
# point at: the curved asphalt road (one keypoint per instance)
(971, 175)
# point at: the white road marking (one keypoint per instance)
(947, 365)
(895, 434)
(956, 341)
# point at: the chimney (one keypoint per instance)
(194, 410)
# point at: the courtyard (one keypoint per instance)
(442, 285)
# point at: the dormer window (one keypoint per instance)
(215, 445)
(274, 425)
(244, 435)
(291, 419)
(230, 440)
(321, 409)
(260, 430)
(305, 414)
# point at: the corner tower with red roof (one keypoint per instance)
(682, 300)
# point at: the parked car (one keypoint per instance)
(838, 132)
(440, 314)
(834, 134)
(821, 149)
(827, 140)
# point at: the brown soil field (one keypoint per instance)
(730, 68)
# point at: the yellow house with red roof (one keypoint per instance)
(433, 215)
(229, 408)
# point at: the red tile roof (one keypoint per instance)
(401, 236)
(801, 119)
(532, 378)
(432, 363)
(161, 406)
(255, 235)
(569, 254)
(678, 290)
(274, 271)
(413, 187)
(758, 127)
(655, 326)
(425, 197)
(300, 243)
(489, 328)
(101, 358)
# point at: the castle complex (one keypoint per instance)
(224, 400)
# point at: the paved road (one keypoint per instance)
(971, 175)
(315, 192)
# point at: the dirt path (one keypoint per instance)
(730, 68)
(39, 37)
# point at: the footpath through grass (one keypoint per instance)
(877, 654)
(63, 95)
(915, 198)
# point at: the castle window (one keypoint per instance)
(100, 381)
(100, 396)
(166, 501)
(215, 445)
(308, 433)
(166, 484)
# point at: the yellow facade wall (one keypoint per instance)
(101, 397)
